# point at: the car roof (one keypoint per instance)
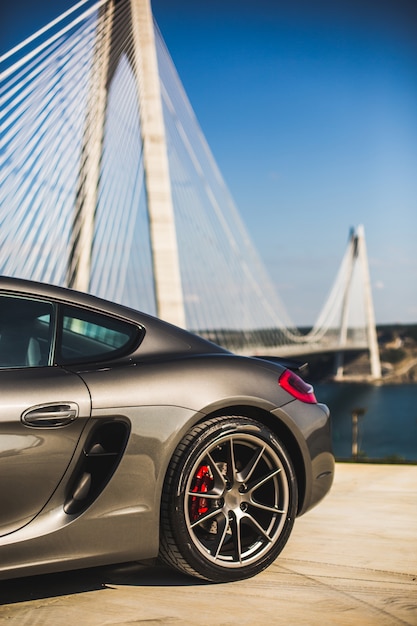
(63, 294)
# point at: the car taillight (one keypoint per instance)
(297, 387)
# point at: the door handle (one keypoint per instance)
(50, 415)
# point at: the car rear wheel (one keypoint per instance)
(229, 500)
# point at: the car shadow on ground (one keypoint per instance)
(94, 579)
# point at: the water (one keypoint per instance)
(387, 430)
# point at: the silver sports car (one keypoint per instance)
(125, 438)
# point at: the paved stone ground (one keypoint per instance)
(351, 561)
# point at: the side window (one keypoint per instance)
(87, 336)
(25, 331)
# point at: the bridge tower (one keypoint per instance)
(358, 255)
(125, 27)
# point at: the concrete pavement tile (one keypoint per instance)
(352, 561)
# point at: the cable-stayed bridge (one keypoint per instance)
(108, 186)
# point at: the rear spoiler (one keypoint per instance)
(290, 364)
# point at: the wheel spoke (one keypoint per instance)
(231, 463)
(209, 495)
(257, 526)
(252, 487)
(219, 479)
(238, 540)
(265, 507)
(222, 528)
(204, 517)
(246, 473)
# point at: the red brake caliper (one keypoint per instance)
(203, 482)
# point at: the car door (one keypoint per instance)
(43, 410)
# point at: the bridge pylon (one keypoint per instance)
(88, 196)
(125, 28)
(358, 256)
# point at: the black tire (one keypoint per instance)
(229, 500)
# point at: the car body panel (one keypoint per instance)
(33, 458)
(313, 436)
(171, 381)
(121, 524)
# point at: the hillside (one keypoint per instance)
(398, 353)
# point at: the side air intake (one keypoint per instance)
(101, 455)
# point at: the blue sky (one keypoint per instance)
(310, 109)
